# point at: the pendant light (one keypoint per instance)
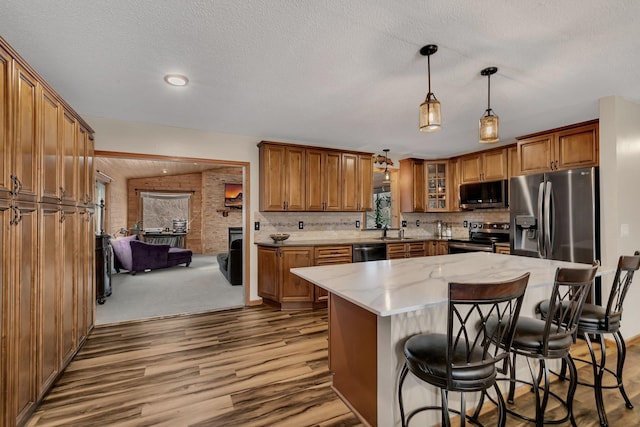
(489, 122)
(387, 174)
(430, 118)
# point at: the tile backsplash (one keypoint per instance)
(331, 225)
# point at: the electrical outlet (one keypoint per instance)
(300, 225)
(465, 224)
(404, 222)
(417, 223)
(256, 225)
(357, 224)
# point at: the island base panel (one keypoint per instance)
(353, 356)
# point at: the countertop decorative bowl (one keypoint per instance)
(279, 237)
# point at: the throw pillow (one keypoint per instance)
(122, 249)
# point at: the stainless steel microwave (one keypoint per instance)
(484, 195)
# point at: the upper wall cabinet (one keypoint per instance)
(299, 178)
(569, 147)
(282, 178)
(323, 178)
(484, 166)
(357, 182)
(425, 185)
(412, 185)
(25, 137)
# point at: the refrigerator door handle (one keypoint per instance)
(548, 219)
(541, 230)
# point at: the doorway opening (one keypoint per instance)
(202, 286)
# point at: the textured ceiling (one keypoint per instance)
(333, 72)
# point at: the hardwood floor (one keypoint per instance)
(244, 367)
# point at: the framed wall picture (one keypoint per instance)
(233, 196)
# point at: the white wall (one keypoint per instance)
(143, 138)
(619, 194)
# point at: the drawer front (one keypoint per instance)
(326, 255)
(396, 250)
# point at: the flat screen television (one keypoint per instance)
(233, 196)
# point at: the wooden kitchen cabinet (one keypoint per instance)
(323, 180)
(512, 161)
(45, 316)
(19, 263)
(488, 165)
(330, 255)
(569, 147)
(302, 178)
(25, 139)
(405, 250)
(412, 185)
(282, 177)
(503, 249)
(437, 247)
(277, 285)
(357, 182)
(437, 186)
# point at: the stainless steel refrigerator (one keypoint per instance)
(556, 215)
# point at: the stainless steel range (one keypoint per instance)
(483, 237)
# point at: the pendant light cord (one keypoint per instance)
(489, 92)
(429, 74)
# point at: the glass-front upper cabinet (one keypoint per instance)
(437, 186)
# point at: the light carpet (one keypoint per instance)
(170, 291)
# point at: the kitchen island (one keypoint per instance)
(375, 306)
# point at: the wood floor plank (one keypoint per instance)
(245, 367)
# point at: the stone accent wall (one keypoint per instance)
(215, 223)
(176, 183)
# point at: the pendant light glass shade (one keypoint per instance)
(430, 117)
(489, 123)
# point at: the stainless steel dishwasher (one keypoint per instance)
(369, 252)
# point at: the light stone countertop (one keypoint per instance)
(399, 286)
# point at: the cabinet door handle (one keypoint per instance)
(556, 165)
(17, 185)
(61, 192)
(17, 216)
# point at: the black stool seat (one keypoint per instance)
(593, 319)
(425, 359)
(528, 338)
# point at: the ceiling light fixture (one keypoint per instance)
(387, 174)
(430, 118)
(176, 79)
(489, 122)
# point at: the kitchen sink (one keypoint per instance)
(389, 238)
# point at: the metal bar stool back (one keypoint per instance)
(463, 359)
(597, 321)
(551, 339)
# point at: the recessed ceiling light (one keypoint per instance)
(176, 79)
(165, 171)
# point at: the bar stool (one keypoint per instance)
(596, 320)
(548, 339)
(463, 359)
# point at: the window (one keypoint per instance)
(161, 210)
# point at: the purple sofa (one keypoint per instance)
(133, 255)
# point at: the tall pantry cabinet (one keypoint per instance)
(46, 236)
